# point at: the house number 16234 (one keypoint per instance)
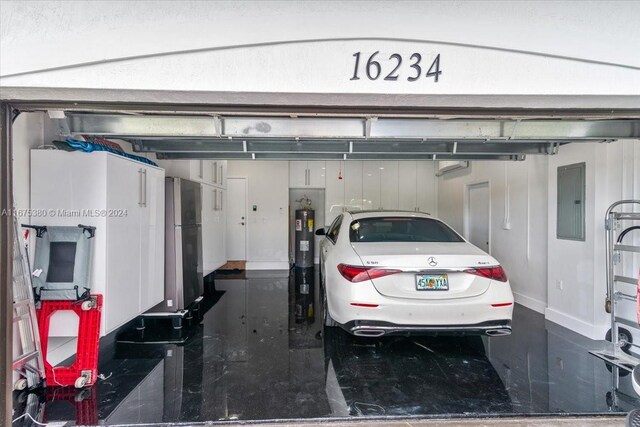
(391, 69)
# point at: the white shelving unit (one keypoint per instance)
(124, 200)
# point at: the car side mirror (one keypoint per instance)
(320, 232)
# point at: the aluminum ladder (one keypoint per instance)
(29, 364)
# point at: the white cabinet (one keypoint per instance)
(389, 185)
(371, 185)
(353, 199)
(213, 228)
(217, 173)
(426, 187)
(380, 185)
(128, 252)
(334, 194)
(222, 173)
(317, 174)
(307, 174)
(407, 185)
(298, 174)
(374, 185)
(211, 172)
(151, 247)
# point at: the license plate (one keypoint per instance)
(431, 282)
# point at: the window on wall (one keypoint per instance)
(571, 194)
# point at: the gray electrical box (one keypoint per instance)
(571, 195)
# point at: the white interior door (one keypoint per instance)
(236, 219)
(479, 215)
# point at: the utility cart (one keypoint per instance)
(621, 354)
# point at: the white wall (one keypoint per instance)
(99, 30)
(267, 228)
(535, 260)
(492, 47)
(27, 134)
(518, 228)
(612, 173)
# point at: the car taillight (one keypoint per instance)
(493, 273)
(357, 274)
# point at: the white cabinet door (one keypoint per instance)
(298, 174)
(222, 173)
(213, 228)
(426, 187)
(389, 185)
(371, 185)
(178, 168)
(152, 240)
(201, 171)
(220, 229)
(303, 174)
(334, 194)
(124, 191)
(213, 175)
(407, 190)
(196, 168)
(352, 174)
(209, 200)
(317, 174)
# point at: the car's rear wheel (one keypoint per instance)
(326, 317)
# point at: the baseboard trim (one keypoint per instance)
(269, 265)
(589, 330)
(531, 303)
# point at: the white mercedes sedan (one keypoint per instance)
(400, 273)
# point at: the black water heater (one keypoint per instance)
(304, 240)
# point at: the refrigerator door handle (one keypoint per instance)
(140, 187)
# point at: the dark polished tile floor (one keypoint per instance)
(259, 353)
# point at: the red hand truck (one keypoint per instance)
(84, 371)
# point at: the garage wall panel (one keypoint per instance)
(516, 213)
(565, 279)
(577, 271)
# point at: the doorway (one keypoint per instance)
(478, 215)
(237, 219)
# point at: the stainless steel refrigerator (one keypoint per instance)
(183, 245)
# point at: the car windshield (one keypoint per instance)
(401, 229)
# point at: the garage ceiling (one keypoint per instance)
(349, 138)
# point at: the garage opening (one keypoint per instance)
(208, 317)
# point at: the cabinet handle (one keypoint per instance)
(221, 200)
(221, 174)
(214, 202)
(201, 169)
(307, 180)
(144, 187)
(140, 187)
